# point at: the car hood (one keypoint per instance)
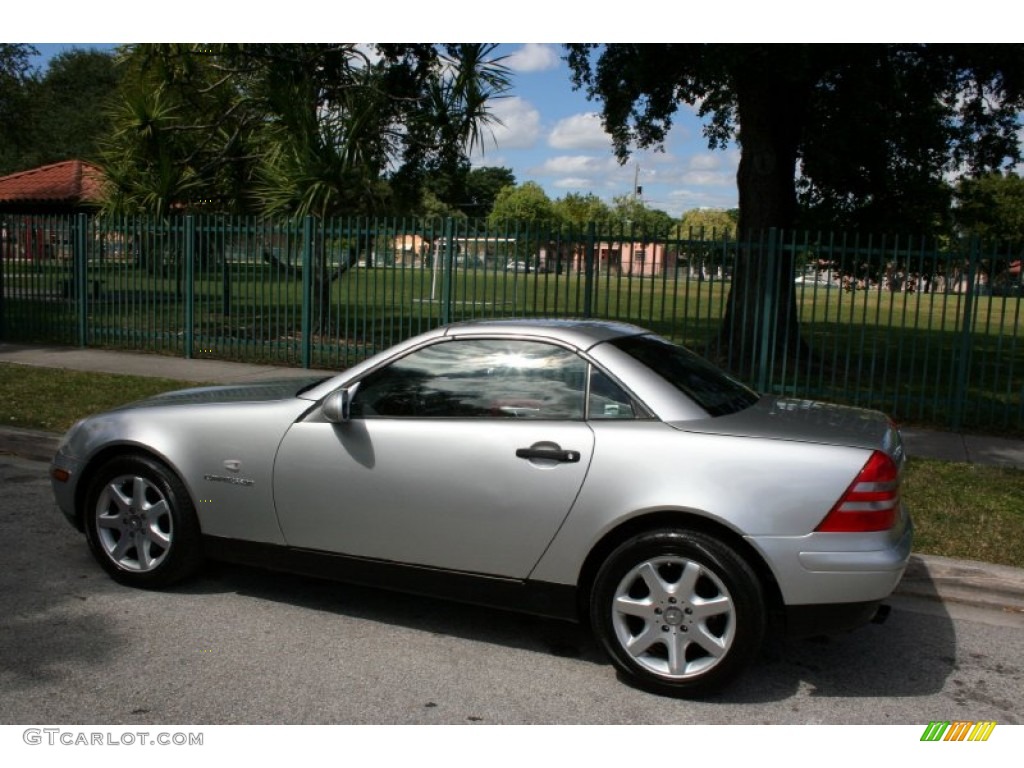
(264, 391)
(808, 421)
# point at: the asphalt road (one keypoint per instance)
(239, 645)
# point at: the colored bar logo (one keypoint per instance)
(958, 730)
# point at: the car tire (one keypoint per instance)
(141, 524)
(679, 612)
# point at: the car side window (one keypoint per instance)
(607, 399)
(477, 378)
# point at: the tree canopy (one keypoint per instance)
(631, 214)
(527, 202)
(482, 187)
(864, 133)
(991, 207)
(54, 115)
(829, 135)
(709, 223)
(299, 128)
(15, 74)
(69, 106)
(578, 210)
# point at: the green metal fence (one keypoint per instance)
(930, 334)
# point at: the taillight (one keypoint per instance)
(872, 501)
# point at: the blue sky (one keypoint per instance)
(552, 135)
(549, 133)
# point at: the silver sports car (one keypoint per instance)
(583, 470)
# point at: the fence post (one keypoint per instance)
(588, 270)
(769, 315)
(225, 287)
(225, 273)
(447, 269)
(963, 360)
(307, 292)
(190, 285)
(5, 260)
(81, 292)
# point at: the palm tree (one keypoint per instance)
(296, 129)
(329, 149)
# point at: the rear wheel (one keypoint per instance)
(679, 612)
(141, 524)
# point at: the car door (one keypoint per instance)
(467, 454)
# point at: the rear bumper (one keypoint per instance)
(831, 569)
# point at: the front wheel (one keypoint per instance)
(679, 612)
(141, 524)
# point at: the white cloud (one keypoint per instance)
(601, 175)
(520, 124)
(681, 200)
(711, 169)
(576, 165)
(490, 160)
(707, 179)
(572, 183)
(583, 131)
(532, 57)
(708, 162)
(708, 169)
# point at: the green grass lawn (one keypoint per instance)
(53, 399)
(967, 511)
(960, 510)
(904, 353)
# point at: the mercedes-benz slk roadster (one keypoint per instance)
(577, 469)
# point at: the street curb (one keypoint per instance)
(970, 582)
(33, 444)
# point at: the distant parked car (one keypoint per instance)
(583, 470)
(517, 266)
(813, 280)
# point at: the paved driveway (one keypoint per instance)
(245, 646)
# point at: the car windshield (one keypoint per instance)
(711, 388)
(311, 384)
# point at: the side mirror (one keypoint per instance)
(336, 406)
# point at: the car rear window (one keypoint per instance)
(711, 388)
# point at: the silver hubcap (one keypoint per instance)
(674, 617)
(133, 523)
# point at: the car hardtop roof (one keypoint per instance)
(580, 332)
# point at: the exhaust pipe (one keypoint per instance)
(881, 614)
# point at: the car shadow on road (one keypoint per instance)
(443, 617)
(911, 654)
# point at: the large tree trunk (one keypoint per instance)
(760, 334)
(760, 330)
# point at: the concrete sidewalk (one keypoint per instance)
(938, 578)
(140, 364)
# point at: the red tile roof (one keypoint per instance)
(70, 182)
